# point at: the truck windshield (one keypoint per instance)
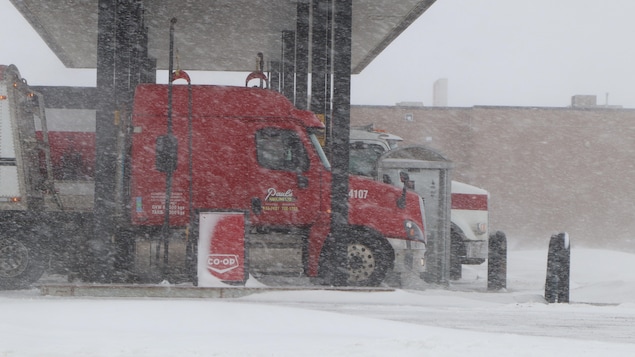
(363, 158)
(316, 144)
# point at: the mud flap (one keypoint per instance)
(222, 253)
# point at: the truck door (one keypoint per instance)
(287, 191)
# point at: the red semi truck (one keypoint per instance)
(236, 149)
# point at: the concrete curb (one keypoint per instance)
(172, 291)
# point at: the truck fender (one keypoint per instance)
(457, 251)
(460, 225)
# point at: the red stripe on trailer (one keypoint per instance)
(468, 201)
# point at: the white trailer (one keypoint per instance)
(469, 213)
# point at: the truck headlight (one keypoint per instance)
(481, 228)
(413, 232)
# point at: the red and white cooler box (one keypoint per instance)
(222, 249)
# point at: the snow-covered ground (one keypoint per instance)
(463, 320)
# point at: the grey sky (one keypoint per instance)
(493, 52)
(510, 52)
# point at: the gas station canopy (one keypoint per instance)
(214, 35)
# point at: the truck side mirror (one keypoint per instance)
(166, 153)
(404, 177)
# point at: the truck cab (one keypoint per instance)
(248, 149)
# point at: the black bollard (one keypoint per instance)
(497, 262)
(558, 269)
(565, 271)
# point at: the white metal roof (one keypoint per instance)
(214, 35)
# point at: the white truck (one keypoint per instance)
(469, 204)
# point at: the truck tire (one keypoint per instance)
(21, 263)
(457, 252)
(368, 258)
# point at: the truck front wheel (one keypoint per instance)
(368, 258)
(457, 252)
(20, 264)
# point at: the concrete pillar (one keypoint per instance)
(274, 76)
(320, 97)
(302, 56)
(122, 63)
(318, 57)
(288, 65)
(342, 21)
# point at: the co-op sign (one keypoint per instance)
(221, 248)
(222, 263)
